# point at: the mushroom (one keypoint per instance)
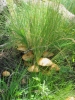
(55, 66)
(70, 98)
(6, 73)
(28, 56)
(22, 48)
(45, 62)
(33, 68)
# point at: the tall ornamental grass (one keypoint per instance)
(36, 26)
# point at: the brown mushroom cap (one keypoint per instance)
(33, 69)
(6, 73)
(55, 66)
(28, 56)
(45, 62)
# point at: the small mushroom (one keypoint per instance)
(55, 66)
(33, 69)
(45, 62)
(22, 48)
(70, 98)
(28, 56)
(6, 73)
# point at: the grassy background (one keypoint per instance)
(40, 29)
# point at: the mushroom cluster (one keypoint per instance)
(43, 62)
(47, 63)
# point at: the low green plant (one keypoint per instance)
(11, 86)
(38, 86)
(35, 26)
(39, 28)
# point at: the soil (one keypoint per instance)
(9, 59)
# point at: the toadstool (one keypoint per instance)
(45, 62)
(6, 73)
(33, 68)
